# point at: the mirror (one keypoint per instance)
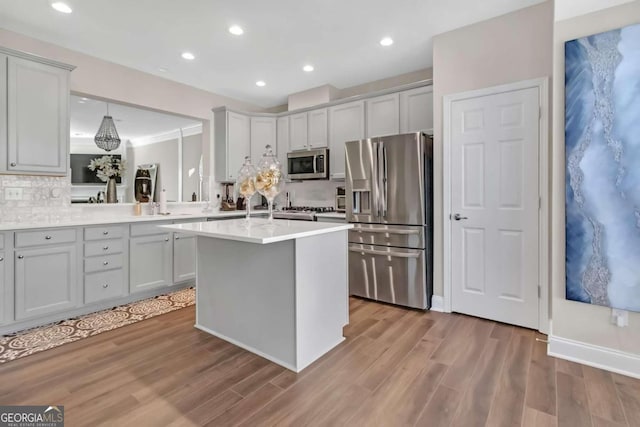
(164, 150)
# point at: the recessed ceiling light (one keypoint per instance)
(308, 68)
(61, 7)
(260, 83)
(236, 30)
(188, 55)
(81, 101)
(162, 69)
(85, 99)
(387, 41)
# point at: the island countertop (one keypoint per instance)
(258, 230)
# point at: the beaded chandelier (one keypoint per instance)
(107, 137)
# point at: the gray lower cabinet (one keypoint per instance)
(150, 260)
(184, 257)
(45, 280)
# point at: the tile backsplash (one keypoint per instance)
(44, 198)
(310, 193)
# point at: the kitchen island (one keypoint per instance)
(276, 289)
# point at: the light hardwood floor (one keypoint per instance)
(397, 367)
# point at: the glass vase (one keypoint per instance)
(246, 184)
(270, 179)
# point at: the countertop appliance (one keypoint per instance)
(303, 213)
(389, 186)
(308, 164)
(228, 204)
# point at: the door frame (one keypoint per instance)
(542, 84)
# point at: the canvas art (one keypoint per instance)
(602, 136)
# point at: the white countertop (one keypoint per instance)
(338, 215)
(258, 230)
(117, 219)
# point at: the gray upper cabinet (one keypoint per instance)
(263, 133)
(383, 115)
(232, 135)
(36, 93)
(55, 266)
(346, 123)
(416, 110)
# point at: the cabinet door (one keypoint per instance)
(318, 128)
(383, 115)
(45, 281)
(283, 141)
(184, 257)
(416, 110)
(38, 118)
(263, 133)
(3, 113)
(238, 142)
(346, 123)
(298, 131)
(151, 260)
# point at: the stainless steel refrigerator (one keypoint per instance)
(389, 185)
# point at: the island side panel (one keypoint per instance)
(322, 294)
(245, 295)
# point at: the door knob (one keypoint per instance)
(459, 217)
(13, 164)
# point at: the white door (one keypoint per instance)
(494, 193)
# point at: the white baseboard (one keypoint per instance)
(592, 355)
(437, 303)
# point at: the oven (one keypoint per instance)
(308, 164)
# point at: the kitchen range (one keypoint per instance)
(302, 213)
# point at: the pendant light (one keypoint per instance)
(107, 137)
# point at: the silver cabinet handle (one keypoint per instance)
(166, 239)
(459, 217)
(13, 164)
(1, 259)
(20, 256)
(105, 232)
(383, 253)
(105, 286)
(105, 248)
(177, 237)
(47, 237)
(105, 263)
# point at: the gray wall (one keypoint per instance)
(165, 154)
(506, 49)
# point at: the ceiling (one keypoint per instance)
(339, 38)
(131, 123)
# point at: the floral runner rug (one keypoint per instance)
(31, 341)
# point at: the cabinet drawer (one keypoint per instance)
(101, 263)
(103, 247)
(45, 237)
(148, 229)
(106, 232)
(103, 285)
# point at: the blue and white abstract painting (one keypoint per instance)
(602, 136)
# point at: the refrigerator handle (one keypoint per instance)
(381, 202)
(375, 170)
(384, 180)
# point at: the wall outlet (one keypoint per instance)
(619, 317)
(13, 193)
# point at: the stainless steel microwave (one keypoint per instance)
(308, 164)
